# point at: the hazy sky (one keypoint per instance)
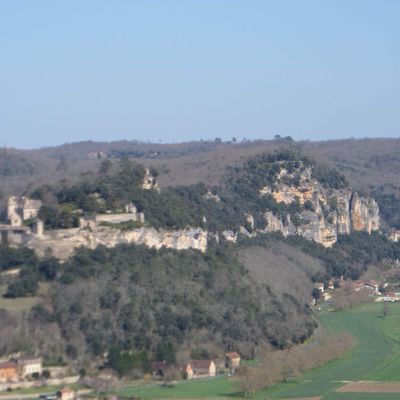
(180, 70)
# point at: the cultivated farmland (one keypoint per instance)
(376, 357)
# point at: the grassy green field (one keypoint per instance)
(16, 305)
(21, 303)
(204, 389)
(376, 356)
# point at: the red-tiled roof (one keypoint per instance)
(159, 366)
(8, 364)
(66, 390)
(200, 364)
(29, 359)
(232, 355)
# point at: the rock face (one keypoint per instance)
(325, 212)
(63, 242)
(364, 214)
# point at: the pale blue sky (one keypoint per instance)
(180, 70)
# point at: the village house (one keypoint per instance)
(320, 286)
(358, 285)
(391, 297)
(29, 365)
(66, 394)
(159, 368)
(8, 372)
(335, 283)
(372, 285)
(200, 368)
(232, 361)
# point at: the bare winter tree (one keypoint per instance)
(281, 365)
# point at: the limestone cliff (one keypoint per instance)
(63, 242)
(324, 213)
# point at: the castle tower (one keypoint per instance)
(14, 211)
(149, 181)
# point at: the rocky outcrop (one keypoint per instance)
(324, 214)
(364, 214)
(62, 243)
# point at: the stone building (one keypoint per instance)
(232, 360)
(29, 365)
(20, 209)
(130, 214)
(200, 368)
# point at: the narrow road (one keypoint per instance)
(17, 396)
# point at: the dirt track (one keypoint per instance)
(370, 387)
(17, 396)
(305, 398)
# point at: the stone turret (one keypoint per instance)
(149, 181)
(14, 216)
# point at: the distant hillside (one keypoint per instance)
(373, 160)
(168, 304)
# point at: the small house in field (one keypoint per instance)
(200, 368)
(159, 368)
(66, 394)
(232, 360)
(8, 372)
(372, 285)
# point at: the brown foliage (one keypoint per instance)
(346, 298)
(279, 366)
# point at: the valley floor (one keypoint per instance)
(375, 358)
